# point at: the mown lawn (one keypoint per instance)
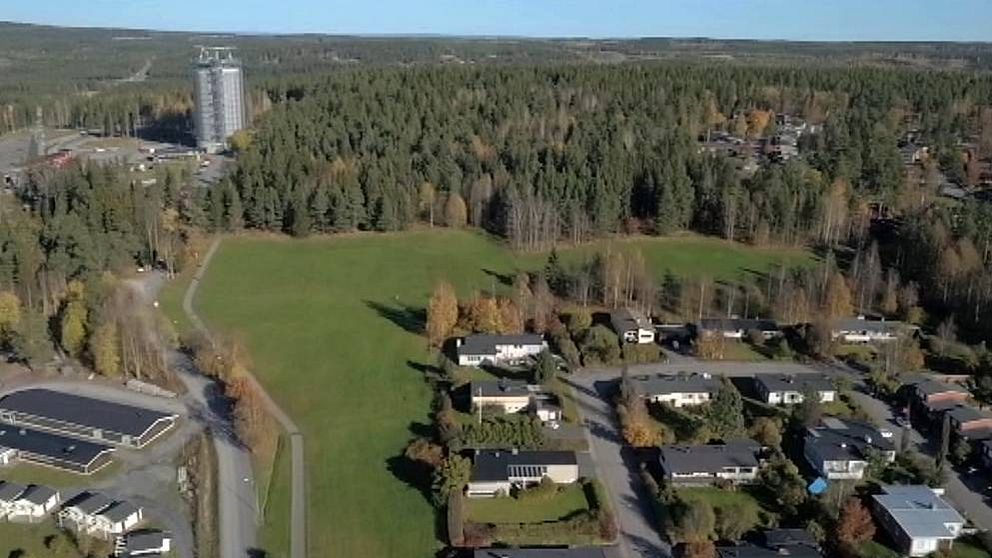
(30, 540)
(569, 500)
(333, 325)
(27, 473)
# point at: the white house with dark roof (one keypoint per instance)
(144, 543)
(479, 349)
(497, 472)
(117, 519)
(34, 504)
(9, 493)
(80, 513)
(736, 461)
(7, 456)
(917, 519)
(514, 396)
(737, 328)
(863, 330)
(677, 390)
(779, 389)
(839, 449)
(632, 326)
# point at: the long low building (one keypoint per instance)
(53, 450)
(84, 417)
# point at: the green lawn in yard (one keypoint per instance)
(333, 326)
(873, 549)
(718, 496)
(569, 500)
(26, 473)
(30, 540)
(968, 547)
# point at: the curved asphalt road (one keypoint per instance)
(298, 535)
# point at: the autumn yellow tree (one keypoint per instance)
(511, 319)
(482, 315)
(837, 298)
(442, 313)
(455, 211)
(10, 311)
(757, 121)
(105, 351)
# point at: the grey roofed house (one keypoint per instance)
(90, 503)
(578, 552)
(665, 384)
(929, 386)
(743, 325)
(497, 465)
(146, 541)
(963, 414)
(10, 491)
(747, 550)
(38, 495)
(711, 458)
(872, 326)
(499, 388)
(119, 511)
(55, 450)
(485, 344)
(841, 440)
(798, 382)
(919, 511)
(628, 318)
(782, 538)
(65, 412)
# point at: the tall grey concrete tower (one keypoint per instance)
(219, 93)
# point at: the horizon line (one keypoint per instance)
(496, 37)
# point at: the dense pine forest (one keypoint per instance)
(539, 144)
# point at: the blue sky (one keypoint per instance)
(951, 20)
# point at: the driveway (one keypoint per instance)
(619, 470)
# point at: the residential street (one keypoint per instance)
(619, 470)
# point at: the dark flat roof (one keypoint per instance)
(667, 384)
(83, 411)
(51, 445)
(965, 414)
(839, 440)
(493, 465)
(929, 386)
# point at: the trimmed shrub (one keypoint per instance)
(456, 520)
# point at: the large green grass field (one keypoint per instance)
(333, 328)
(30, 540)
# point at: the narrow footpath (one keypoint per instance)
(298, 524)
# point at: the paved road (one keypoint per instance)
(619, 471)
(298, 523)
(236, 494)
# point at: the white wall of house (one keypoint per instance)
(489, 489)
(680, 399)
(513, 352)
(640, 335)
(508, 404)
(474, 360)
(7, 456)
(792, 397)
